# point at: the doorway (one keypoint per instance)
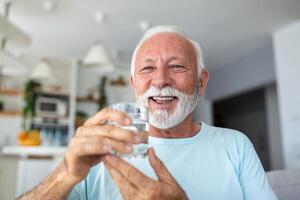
(246, 113)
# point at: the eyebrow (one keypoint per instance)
(170, 59)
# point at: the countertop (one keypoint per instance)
(24, 151)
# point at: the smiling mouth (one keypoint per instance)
(163, 99)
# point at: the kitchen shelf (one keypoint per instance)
(11, 92)
(87, 99)
(55, 93)
(26, 151)
(10, 113)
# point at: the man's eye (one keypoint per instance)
(177, 67)
(147, 69)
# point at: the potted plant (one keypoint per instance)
(32, 90)
(1, 104)
(102, 101)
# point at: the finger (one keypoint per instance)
(111, 131)
(87, 149)
(106, 115)
(127, 189)
(98, 145)
(129, 172)
(159, 168)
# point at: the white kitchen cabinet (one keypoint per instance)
(22, 168)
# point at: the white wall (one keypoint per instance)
(253, 70)
(273, 126)
(10, 128)
(287, 65)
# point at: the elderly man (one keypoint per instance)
(187, 160)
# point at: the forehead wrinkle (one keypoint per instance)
(167, 60)
(149, 60)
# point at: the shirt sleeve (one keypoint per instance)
(252, 175)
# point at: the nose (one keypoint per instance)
(161, 78)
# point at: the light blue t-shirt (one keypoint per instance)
(215, 164)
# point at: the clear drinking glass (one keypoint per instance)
(139, 117)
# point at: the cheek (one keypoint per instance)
(185, 83)
(141, 85)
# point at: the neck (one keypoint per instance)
(185, 129)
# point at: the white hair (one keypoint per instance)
(168, 29)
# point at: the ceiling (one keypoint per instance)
(226, 30)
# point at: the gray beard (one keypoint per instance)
(163, 119)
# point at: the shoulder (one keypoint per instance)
(233, 143)
(226, 136)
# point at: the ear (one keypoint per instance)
(203, 81)
(131, 83)
(132, 86)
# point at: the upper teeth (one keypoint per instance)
(163, 98)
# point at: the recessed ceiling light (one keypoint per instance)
(100, 17)
(48, 6)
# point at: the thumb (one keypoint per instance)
(159, 168)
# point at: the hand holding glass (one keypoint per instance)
(139, 117)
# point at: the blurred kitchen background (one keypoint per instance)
(63, 60)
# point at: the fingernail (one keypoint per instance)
(127, 120)
(128, 147)
(137, 138)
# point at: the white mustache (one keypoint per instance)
(166, 91)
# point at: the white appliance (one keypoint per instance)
(51, 107)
